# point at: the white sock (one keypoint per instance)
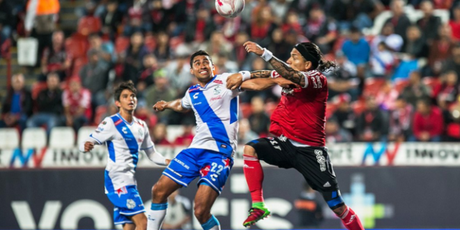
(156, 215)
(211, 224)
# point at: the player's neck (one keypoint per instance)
(127, 115)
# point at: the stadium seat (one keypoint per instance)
(9, 138)
(400, 84)
(245, 109)
(121, 44)
(83, 133)
(76, 46)
(33, 138)
(372, 86)
(358, 106)
(62, 138)
(88, 25)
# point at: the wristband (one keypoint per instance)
(274, 74)
(246, 75)
(267, 55)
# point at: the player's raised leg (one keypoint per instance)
(349, 218)
(204, 199)
(140, 222)
(254, 177)
(160, 192)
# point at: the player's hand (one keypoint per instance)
(160, 106)
(89, 146)
(168, 161)
(234, 81)
(252, 47)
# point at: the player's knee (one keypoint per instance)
(249, 151)
(201, 213)
(158, 193)
(333, 199)
(339, 210)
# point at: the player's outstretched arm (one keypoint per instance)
(280, 67)
(156, 157)
(86, 146)
(235, 80)
(175, 105)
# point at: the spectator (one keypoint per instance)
(7, 21)
(262, 26)
(415, 90)
(77, 104)
(320, 30)
(178, 71)
(179, 215)
(106, 50)
(453, 62)
(400, 121)
(160, 90)
(357, 50)
(146, 78)
(454, 23)
(55, 58)
(201, 27)
(428, 122)
(335, 134)
(415, 46)
(386, 96)
(280, 8)
(49, 105)
(382, 61)
(440, 50)
(163, 51)
(94, 76)
(429, 23)
(185, 139)
(245, 134)
(139, 19)
(159, 134)
(372, 123)
(360, 13)
(278, 45)
(447, 96)
(292, 24)
(111, 18)
(344, 79)
(217, 45)
(344, 114)
(239, 53)
(17, 105)
(387, 35)
(259, 120)
(132, 58)
(399, 19)
(224, 65)
(309, 208)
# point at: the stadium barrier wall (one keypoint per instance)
(346, 154)
(384, 197)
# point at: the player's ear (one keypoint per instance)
(308, 65)
(191, 71)
(117, 103)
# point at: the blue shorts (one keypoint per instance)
(212, 167)
(127, 202)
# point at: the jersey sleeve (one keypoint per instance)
(104, 132)
(147, 143)
(314, 80)
(185, 101)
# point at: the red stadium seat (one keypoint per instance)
(434, 84)
(330, 109)
(372, 86)
(88, 25)
(453, 130)
(100, 111)
(76, 46)
(358, 106)
(246, 109)
(399, 85)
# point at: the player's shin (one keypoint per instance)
(156, 216)
(211, 224)
(254, 177)
(350, 220)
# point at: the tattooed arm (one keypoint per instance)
(235, 80)
(280, 67)
(261, 74)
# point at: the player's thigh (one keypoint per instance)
(315, 165)
(184, 168)
(129, 226)
(140, 221)
(274, 151)
(214, 170)
(164, 187)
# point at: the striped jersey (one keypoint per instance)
(124, 140)
(216, 113)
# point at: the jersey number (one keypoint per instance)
(217, 172)
(316, 82)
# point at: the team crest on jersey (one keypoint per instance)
(205, 170)
(217, 90)
(130, 203)
(141, 132)
(124, 130)
(121, 191)
(226, 163)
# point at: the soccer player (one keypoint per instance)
(298, 123)
(210, 155)
(124, 135)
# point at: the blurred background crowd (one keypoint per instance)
(398, 77)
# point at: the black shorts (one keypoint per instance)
(312, 162)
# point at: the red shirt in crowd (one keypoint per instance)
(432, 123)
(301, 113)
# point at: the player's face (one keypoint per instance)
(202, 68)
(127, 101)
(297, 62)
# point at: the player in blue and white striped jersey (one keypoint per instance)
(124, 135)
(210, 155)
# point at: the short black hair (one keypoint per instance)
(198, 53)
(129, 85)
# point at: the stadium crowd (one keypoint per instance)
(398, 85)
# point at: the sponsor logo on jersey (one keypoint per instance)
(223, 146)
(218, 81)
(104, 122)
(217, 90)
(195, 96)
(216, 98)
(130, 203)
(181, 163)
(118, 122)
(193, 89)
(124, 130)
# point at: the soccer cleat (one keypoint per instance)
(256, 214)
